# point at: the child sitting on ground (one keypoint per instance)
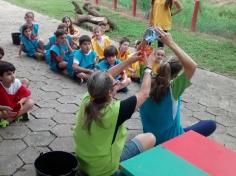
(59, 53)
(160, 56)
(84, 59)
(71, 30)
(29, 20)
(29, 44)
(99, 42)
(124, 54)
(110, 60)
(1, 53)
(15, 99)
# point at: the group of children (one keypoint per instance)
(76, 55)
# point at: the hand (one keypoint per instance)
(148, 61)
(136, 56)
(10, 114)
(165, 37)
(8, 108)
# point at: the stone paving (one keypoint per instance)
(211, 96)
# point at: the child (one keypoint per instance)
(29, 19)
(59, 53)
(103, 26)
(71, 30)
(84, 59)
(160, 56)
(29, 44)
(15, 97)
(1, 53)
(161, 14)
(123, 54)
(99, 42)
(52, 39)
(110, 60)
(160, 113)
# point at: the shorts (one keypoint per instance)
(132, 148)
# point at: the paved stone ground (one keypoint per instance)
(211, 96)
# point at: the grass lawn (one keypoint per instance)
(214, 54)
(212, 18)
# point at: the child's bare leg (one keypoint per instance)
(63, 65)
(41, 45)
(26, 107)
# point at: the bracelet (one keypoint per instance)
(148, 70)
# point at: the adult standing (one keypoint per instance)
(161, 14)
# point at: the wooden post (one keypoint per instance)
(195, 13)
(96, 2)
(115, 4)
(134, 6)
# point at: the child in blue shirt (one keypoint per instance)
(52, 41)
(84, 59)
(29, 44)
(110, 60)
(59, 54)
(29, 20)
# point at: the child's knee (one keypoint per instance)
(29, 103)
(148, 140)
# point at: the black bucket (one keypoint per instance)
(56, 163)
(15, 38)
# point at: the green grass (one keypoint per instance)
(218, 55)
(212, 18)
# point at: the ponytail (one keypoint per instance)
(168, 4)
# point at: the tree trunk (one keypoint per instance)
(78, 10)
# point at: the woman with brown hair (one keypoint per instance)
(160, 113)
(99, 134)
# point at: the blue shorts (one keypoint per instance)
(132, 148)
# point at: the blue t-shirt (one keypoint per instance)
(53, 39)
(85, 60)
(163, 118)
(30, 45)
(35, 29)
(104, 65)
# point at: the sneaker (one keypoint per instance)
(23, 118)
(4, 123)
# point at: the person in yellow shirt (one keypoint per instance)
(161, 14)
(124, 54)
(99, 42)
(160, 55)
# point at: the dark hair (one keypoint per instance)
(110, 51)
(71, 27)
(84, 38)
(59, 32)
(24, 28)
(1, 52)
(123, 40)
(29, 13)
(160, 83)
(168, 3)
(99, 84)
(5, 67)
(62, 26)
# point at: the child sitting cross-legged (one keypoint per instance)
(99, 42)
(110, 60)
(60, 53)
(84, 59)
(15, 99)
(29, 44)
